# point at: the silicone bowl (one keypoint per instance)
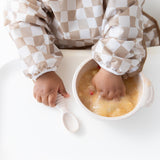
(146, 91)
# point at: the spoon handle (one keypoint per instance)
(61, 106)
(69, 120)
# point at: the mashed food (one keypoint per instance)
(108, 108)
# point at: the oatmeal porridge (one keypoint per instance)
(108, 108)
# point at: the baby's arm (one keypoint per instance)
(120, 51)
(28, 26)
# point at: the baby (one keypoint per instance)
(117, 31)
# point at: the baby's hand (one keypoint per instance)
(46, 88)
(109, 86)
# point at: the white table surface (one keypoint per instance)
(32, 131)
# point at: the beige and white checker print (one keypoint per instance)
(117, 31)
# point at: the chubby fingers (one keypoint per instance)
(112, 94)
(52, 99)
(109, 95)
(63, 91)
(39, 99)
(47, 99)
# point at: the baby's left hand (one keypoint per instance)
(109, 85)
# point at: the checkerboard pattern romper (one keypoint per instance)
(118, 32)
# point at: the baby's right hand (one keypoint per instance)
(46, 88)
(109, 85)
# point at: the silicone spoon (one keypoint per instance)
(69, 120)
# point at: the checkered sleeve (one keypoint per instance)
(27, 22)
(121, 50)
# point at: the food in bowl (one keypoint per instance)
(107, 108)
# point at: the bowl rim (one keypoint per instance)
(75, 94)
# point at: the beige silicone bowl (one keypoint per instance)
(145, 88)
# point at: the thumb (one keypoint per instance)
(63, 91)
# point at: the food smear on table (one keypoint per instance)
(101, 106)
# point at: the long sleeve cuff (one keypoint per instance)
(45, 71)
(36, 70)
(117, 56)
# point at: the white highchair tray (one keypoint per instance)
(31, 131)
